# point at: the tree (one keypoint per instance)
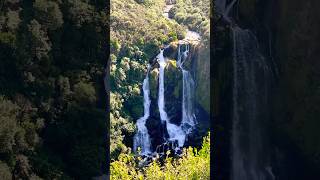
(5, 173)
(80, 12)
(40, 44)
(13, 20)
(8, 121)
(48, 14)
(84, 93)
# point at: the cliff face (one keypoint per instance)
(202, 77)
(198, 65)
(288, 34)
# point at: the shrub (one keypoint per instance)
(193, 164)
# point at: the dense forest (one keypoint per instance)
(52, 99)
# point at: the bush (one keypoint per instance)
(193, 164)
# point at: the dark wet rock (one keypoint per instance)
(157, 131)
(171, 51)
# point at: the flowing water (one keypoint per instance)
(141, 138)
(175, 132)
(188, 117)
(250, 72)
(161, 102)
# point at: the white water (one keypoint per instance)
(161, 102)
(249, 153)
(141, 138)
(174, 131)
(188, 86)
(188, 116)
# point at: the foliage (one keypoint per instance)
(194, 14)
(52, 109)
(137, 31)
(193, 164)
(5, 171)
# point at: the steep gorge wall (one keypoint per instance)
(288, 32)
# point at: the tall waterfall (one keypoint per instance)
(188, 116)
(141, 138)
(250, 74)
(175, 132)
(161, 103)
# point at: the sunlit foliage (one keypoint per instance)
(193, 164)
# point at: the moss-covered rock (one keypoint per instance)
(202, 78)
(153, 82)
(173, 81)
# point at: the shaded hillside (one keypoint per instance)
(52, 109)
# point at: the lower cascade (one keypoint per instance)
(142, 139)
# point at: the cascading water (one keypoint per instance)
(141, 138)
(249, 156)
(250, 160)
(174, 131)
(177, 134)
(229, 7)
(188, 116)
(161, 103)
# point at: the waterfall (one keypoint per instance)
(224, 9)
(161, 103)
(249, 153)
(229, 7)
(251, 74)
(141, 138)
(175, 132)
(188, 116)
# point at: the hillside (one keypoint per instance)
(52, 109)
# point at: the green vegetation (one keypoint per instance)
(52, 109)
(193, 164)
(194, 14)
(137, 30)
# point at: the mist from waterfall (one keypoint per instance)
(141, 138)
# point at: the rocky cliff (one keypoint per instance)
(288, 35)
